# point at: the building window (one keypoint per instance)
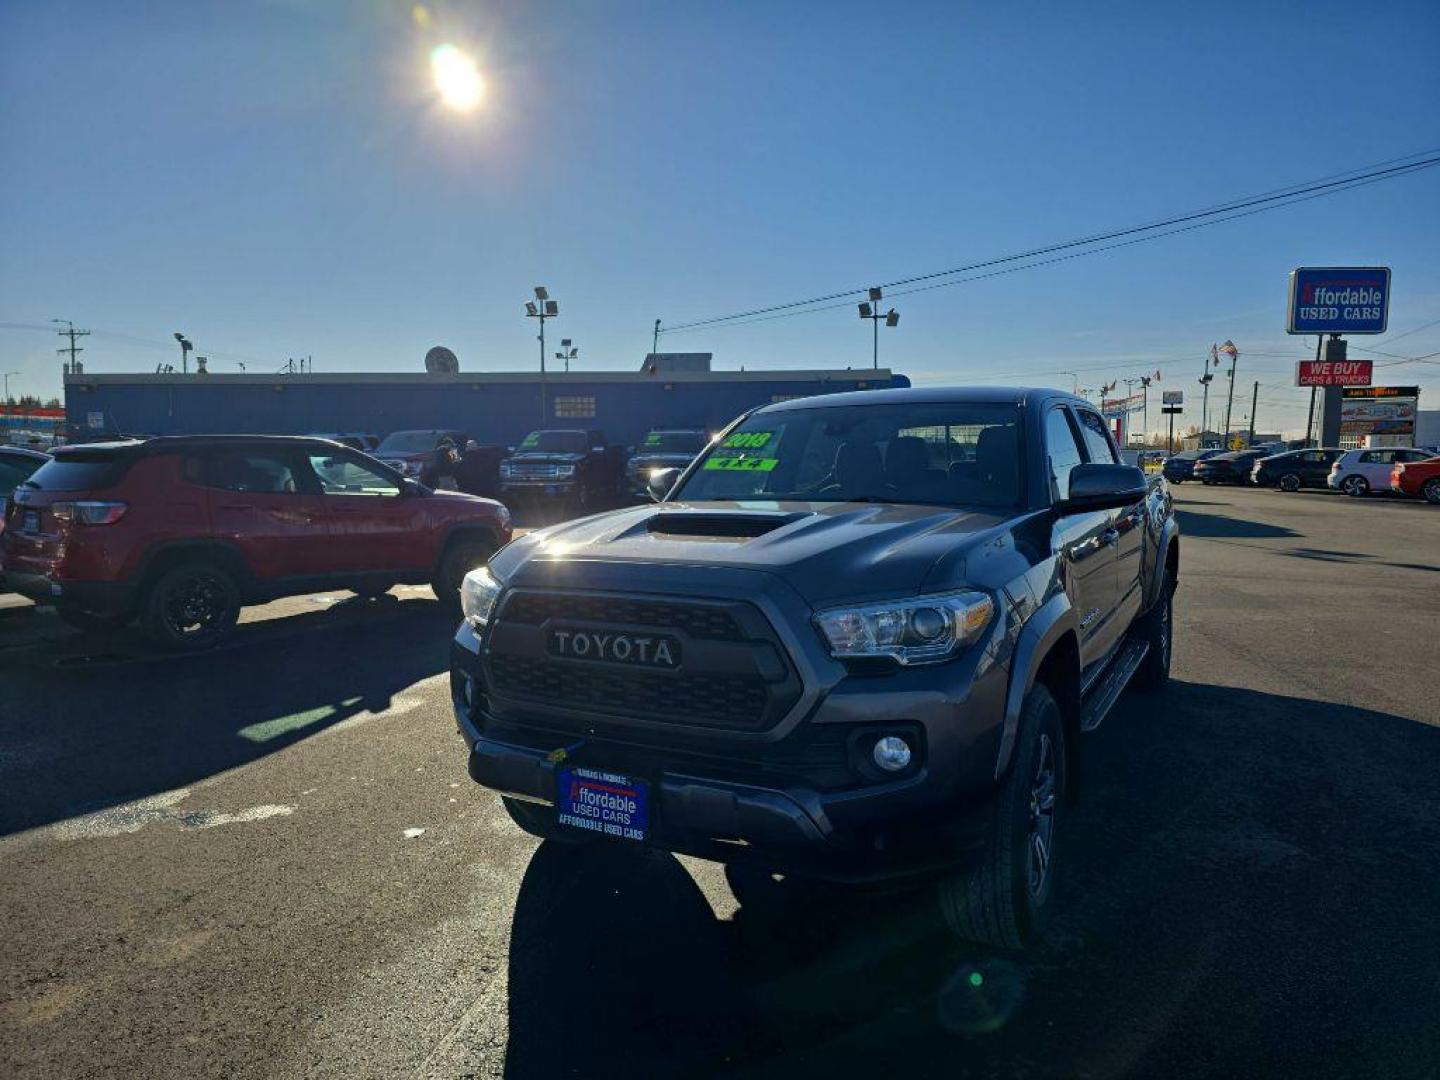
(575, 407)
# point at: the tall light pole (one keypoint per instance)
(7, 385)
(542, 308)
(185, 347)
(567, 353)
(1074, 381)
(871, 311)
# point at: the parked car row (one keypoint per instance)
(1409, 471)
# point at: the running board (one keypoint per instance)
(1115, 679)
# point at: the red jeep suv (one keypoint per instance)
(181, 532)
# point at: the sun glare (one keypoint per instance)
(456, 78)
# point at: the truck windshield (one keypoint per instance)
(951, 453)
(674, 442)
(556, 442)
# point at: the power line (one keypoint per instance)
(1225, 211)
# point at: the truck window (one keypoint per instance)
(1097, 440)
(1062, 452)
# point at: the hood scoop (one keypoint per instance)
(709, 525)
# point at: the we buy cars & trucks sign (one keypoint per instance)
(1334, 372)
(1339, 300)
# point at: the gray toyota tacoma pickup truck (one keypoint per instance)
(858, 639)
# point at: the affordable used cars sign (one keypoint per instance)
(1339, 300)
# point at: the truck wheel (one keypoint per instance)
(1289, 482)
(1431, 491)
(92, 623)
(1157, 629)
(1354, 486)
(372, 592)
(459, 559)
(539, 821)
(1005, 901)
(191, 607)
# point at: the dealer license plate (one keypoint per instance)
(603, 802)
(30, 522)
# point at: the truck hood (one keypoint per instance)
(827, 552)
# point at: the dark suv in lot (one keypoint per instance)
(1295, 469)
(581, 467)
(858, 640)
(181, 532)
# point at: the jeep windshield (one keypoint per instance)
(556, 442)
(955, 453)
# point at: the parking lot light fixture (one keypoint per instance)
(871, 310)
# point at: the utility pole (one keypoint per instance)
(1145, 407)
(1254, 400)
(72, 366)
(655, 339)
(185, 347)
(1230, 395)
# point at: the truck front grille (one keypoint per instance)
(521, 471)
(734, 673)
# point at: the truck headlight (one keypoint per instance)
(565, 470)
(917, 630)
(478, 593)
(506, 469)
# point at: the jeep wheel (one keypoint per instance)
(459, 559)
(1431, 491)
(539, 821)
(90, 622)
(1157, 629)
(1354, 486)
(1004, 901)
(1289, 482)
(191, 607)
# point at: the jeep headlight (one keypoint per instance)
(478, 593)
(916, 630)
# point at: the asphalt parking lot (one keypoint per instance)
(268, 860)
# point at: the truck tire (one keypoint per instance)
(190, 607)
(1157, 629)
(539, 821)
(1005, 900)
(462, 556)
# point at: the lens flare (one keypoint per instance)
(457, 79)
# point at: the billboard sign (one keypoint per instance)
(1172, 397)
(1122, 406)
(1334, 372)
(1338, 300)
(1378, 410)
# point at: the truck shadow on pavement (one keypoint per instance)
(1247, 885)
(1219, 526)
(76, 738)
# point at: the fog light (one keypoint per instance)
(892, 753)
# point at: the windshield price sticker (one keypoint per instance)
(743, 464)
(748, 440)
(533, 439)
(652, 440)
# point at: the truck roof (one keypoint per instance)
(927, 395)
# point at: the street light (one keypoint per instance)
(871, 311)
(542, 308)
(567, 353)
(1074, 381)
(185, 347)
(7, 385)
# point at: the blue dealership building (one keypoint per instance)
(492, 407)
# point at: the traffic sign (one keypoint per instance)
(1339, 300)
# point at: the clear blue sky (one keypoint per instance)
(278, 178)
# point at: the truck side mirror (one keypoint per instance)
(1097, 486)
(660, 482)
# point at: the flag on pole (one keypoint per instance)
(1230, 350)
(1157, 374)
(1215, 355)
